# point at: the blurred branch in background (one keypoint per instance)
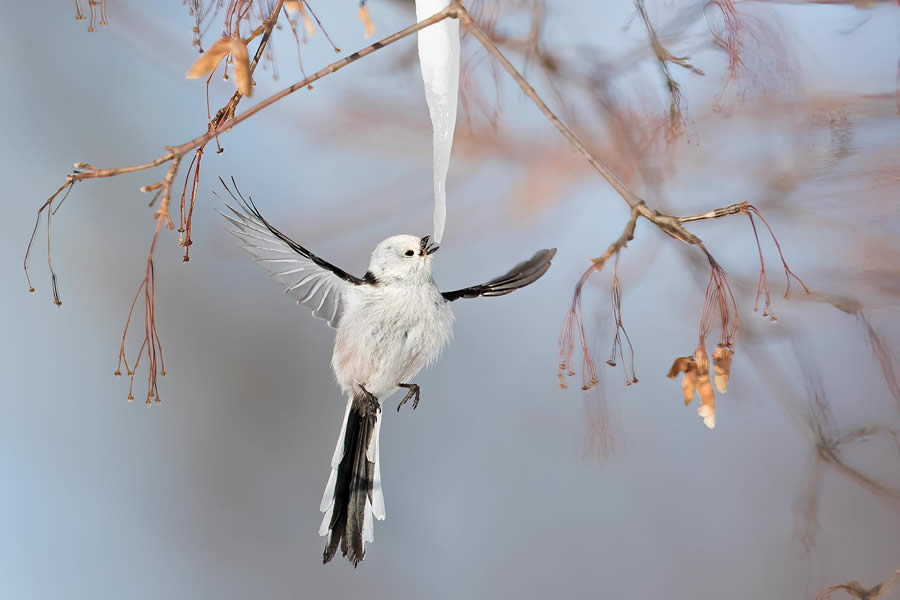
(829, 444)
(854, 589)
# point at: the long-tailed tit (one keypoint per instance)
(391, 322)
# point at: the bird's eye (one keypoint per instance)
(410, 253)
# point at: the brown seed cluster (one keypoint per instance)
(696, 379)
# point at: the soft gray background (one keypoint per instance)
(493, 486)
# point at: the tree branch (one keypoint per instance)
(668, 224)
(731, 209)
(489, 45)
(227, 124)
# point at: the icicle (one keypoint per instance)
(439, 59)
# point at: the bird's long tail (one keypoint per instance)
(353, 493)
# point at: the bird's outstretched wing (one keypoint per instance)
(316, 283)
(524, 273)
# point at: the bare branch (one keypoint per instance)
(632, 199)
(227, 124)
(48, 206)
(727, 211)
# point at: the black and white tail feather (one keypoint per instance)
(353, 493)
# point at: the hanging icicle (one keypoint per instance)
(439, 59)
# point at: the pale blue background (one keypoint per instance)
(493, 486)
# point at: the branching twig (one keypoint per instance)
(48, 206)
(826, 452)
(762, 288)
(574, 320)
(621, 338)
(664, 57)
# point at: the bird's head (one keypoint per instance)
(403, 258)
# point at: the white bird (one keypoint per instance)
(390, 324)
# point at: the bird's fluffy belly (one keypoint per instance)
(387, 337)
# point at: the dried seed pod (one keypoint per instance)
(363, 15)
(210, 59)
(240, 58)
(688, 366)
(722, 367)
(707, 408)
(689, 385)
(681, 365)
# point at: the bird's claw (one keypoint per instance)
(373, 405)
(412, 393)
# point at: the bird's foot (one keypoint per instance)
(373, 404)
(412, 393)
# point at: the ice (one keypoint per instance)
(439, 59)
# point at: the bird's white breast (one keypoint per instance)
(388, 333)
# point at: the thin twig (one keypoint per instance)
(664, 57)
(575, 319)
(726, 211)
(322, 27)
(45, 206)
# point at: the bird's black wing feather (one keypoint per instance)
(249, 206)
(524, 273)
(313, 281)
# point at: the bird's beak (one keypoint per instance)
(426, 248)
